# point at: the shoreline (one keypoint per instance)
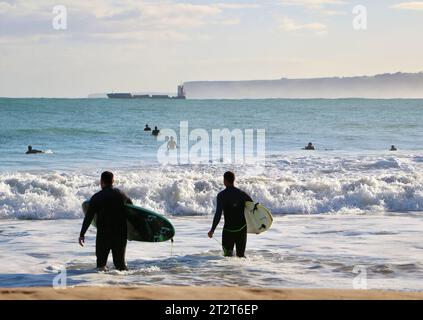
(199, 293)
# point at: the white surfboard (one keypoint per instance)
(259, 219)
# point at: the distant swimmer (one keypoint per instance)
(108, 206)
(231, 202)
(155, 132)
(309, 147)
(393, 148)
(147, 128)
(33, 151)
(171, 145)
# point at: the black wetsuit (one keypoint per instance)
(232, 202)
(33, 151)
(108, 204)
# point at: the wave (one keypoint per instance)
(62, 131)
(306, 185)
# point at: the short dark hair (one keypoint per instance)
(229, 176)
(107, 177)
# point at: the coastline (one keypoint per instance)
(199, 293)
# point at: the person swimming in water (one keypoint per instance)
(171, 145)
(155, 132)
(33, 151)
(147, 128)
(231, 202)
(108, 205)
(393, 148)
(309, 147)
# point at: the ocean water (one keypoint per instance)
(349, 203)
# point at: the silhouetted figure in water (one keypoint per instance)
(393, 148)
(33, 151)
(171, 145)
(108, 205)
(147, 128)
(155, 132)
(231, 202)
(309, 147)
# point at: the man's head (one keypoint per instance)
(229, 179)
(310, 144)
(29, 148)
(107, 179)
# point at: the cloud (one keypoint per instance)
(237, 6)
(415, 5)
(110, 18)
(312, 4)
(288, 24)
(229, 22)
(321, 6)
(5, 7)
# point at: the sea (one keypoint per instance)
(347, 215)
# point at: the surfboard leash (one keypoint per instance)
(217, 241)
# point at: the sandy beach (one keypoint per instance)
(199, 293)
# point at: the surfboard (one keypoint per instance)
(259, 219)
(143, 225)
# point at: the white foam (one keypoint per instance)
(290, 184)
(298, 251)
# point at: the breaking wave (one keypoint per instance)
(289, 185)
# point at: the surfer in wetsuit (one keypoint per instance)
(309, 147)
(232, 202)
(171, 144)
(108, 205)
(155, 132)
(393, 148)
(147, 128)
(33, 151)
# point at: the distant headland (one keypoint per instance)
(382, 86)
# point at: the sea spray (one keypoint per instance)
(294, 185)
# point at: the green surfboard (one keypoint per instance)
(143, 224)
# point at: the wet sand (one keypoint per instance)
(198, 293)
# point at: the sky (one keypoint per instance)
(141, 46)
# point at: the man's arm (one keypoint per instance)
(126, 199)
(87, 221)
(217, 216)
(247, 197)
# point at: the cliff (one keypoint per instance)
(383, 86)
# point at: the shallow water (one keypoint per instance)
(299, 251)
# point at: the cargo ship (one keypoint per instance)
(120, 95)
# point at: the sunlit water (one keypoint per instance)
(351, 203)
